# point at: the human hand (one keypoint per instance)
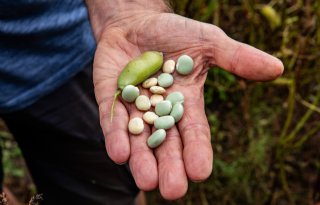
(186, 152)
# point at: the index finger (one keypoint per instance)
(106, 70)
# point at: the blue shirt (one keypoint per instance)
(43, 43)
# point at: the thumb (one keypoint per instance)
(239, 58)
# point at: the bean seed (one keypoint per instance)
(177, 112)
(136, 126)
(184, 65)
(130, 93)
(157, 90)
(164, 122)
(165, 80)
(143, 103)
(156, 138)
(168, 66)
(163, 108)
(150, 82)
(149, 117)
(175, 97)
(154, 99)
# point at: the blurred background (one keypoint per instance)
(265, 136)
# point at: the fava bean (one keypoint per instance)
(150, 82)
(165, 80)
(184, 65)
(156, 138)
(164, 122)
(130, 93)
(163, 108)
(154, 99)
(175, 97)
(177, 112)
(168, 66)
(149, 117)
(143, 103)
(157, 90)
(136, 126)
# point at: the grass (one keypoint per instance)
(265, 135)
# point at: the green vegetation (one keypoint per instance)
(17, 178)
(265, 136)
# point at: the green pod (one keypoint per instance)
(140, 69)
(137, 71)
(271, 15)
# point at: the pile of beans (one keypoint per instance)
(161, 112)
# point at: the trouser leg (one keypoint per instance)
(63, 145)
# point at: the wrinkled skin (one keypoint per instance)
(187, 151)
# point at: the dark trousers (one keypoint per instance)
(63, 145)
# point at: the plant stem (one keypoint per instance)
(302, 121)
(113, 104)
(304, 138)
(291, 101)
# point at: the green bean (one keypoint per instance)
(163, 108)
(130, 93)
(177, 111)
(164, 122)
(165, 80)
(184, 65)
(140, 69)
(137, 71)
(156, 138)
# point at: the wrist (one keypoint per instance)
(105, 13)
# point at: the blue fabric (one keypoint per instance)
(43, 43)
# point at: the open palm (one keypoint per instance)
(187, 151)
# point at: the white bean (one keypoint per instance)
(143, 103)
(150, 82)
(154, 99)
(136, 126)
(149, 117)
(157, 90)
(168, 66)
